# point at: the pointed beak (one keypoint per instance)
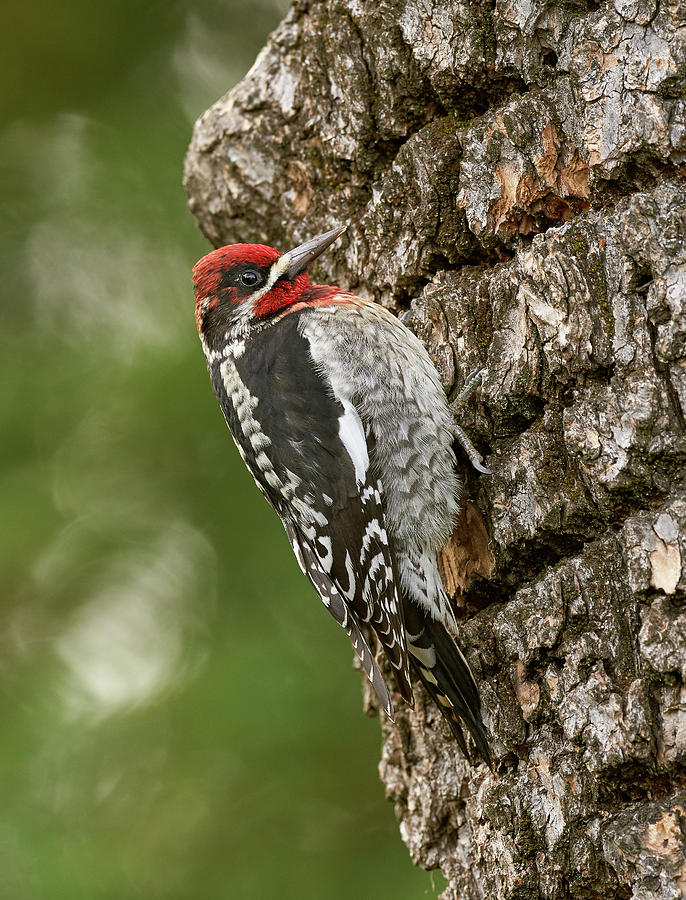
(300, 258)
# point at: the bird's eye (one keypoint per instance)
(249, 278)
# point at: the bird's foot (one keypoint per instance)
(472, 383)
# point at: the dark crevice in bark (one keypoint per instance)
(527, 561)
(663, 369)
(550, 58)
(633, 784)
(475, 257)
(470, 103)
(641, 171)
(483, 592)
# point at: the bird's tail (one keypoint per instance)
(445, 673)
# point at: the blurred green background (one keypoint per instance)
(179, 714)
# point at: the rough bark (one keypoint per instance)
(511, 172)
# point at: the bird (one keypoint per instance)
(340, 416)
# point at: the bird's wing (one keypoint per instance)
(340, 610)
(314, 469)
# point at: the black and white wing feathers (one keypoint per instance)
(340, 610)
(308, 452)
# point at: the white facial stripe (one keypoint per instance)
(279, 268)
(351, 433)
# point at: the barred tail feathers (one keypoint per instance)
(445, 673)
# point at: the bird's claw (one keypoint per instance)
(472, 383)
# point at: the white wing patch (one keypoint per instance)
(351, 433)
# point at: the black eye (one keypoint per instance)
(250, 278)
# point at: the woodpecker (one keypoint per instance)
(339, 414)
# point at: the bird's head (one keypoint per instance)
(244, 282)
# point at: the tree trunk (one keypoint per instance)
(510, 171)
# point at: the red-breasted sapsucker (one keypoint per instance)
(340, 416)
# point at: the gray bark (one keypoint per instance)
(511, 172)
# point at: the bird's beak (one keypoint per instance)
(300, 258)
